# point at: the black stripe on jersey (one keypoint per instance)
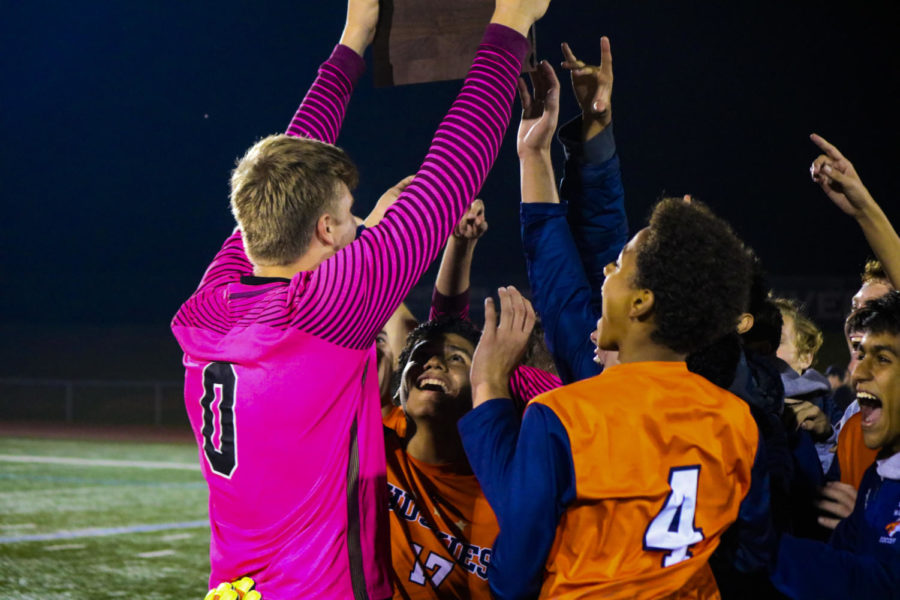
(354, 545)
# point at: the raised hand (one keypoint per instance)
(473, 224)
(519, 14)
(359, 29)
(838, 179)
(592, 84)
(387, 199)
(540, 112)
(502, 344)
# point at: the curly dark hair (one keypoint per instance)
(878, 315)
(699, 272)
(429, 329)
(717, 362)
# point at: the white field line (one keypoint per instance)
(64, 547)
(156, 554)
(98, 532)
(97, 462)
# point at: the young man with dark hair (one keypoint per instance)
(280, 385)
(442, 527)
(622, 484)
(862, 558)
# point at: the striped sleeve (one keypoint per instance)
(322, 111)
(528, 383)
(449, 306)
(206, 308)
(353, 294)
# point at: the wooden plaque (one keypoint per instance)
(430, 40)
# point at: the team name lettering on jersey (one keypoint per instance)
(475, 559)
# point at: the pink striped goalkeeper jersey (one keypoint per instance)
(280, 382)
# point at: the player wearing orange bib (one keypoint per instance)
(442, 527)
(621, 485)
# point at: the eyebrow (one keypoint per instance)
(883, 348)
(458, 349)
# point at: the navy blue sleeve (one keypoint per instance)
(834, 471)
(860, 560)
(560, 289)
(755, 534)
(592, 186)
(528, 478)
(808, 569)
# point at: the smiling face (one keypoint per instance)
(877, 382)
(618, 295)
(435, 382)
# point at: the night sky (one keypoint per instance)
(121, 121)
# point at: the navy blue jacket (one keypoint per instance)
(862, 558)
(568, 244)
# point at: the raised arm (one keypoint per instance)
(838, 179)
(322, 111)
(592, 182)
(507, 460)
(319, 117)
(369, 278)
(451, 288)
(561, 291)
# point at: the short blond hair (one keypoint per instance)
(808, 337)
(873, 271)
(280, 188)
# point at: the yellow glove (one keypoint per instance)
(240, 589)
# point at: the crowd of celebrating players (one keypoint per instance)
(648, 425)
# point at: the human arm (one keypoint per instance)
(839, 180)
(527, 383)
(811, 570)
(322, 111)
(560, 289)
(359, 28)
(755, 533)
(451, 288)
(349, 297)
(592, 180)
(855, 563)
(528, 477)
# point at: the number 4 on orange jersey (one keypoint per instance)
(673, 528)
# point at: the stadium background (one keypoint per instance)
(120, 123)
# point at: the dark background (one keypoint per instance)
(121, 121)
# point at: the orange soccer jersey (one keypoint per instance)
(442, 528)
(853, 456)
(662, 460)
(396, 420)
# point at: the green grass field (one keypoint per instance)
(85, 519)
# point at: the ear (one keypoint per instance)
(325, 230)
(641, 304)
(745, 323)
(805, 361)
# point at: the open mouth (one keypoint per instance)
(869, 408)
(431, 384)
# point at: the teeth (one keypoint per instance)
(867, 398)
(434, 382)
